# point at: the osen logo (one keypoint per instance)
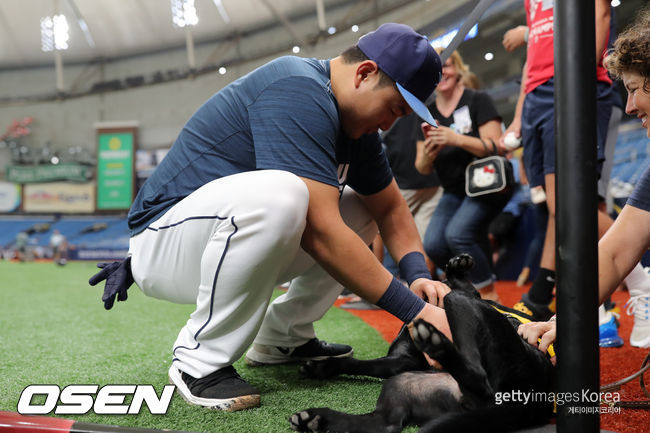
(107, 400)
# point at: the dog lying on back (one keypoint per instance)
(486, 357)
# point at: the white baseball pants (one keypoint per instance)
(224, 248)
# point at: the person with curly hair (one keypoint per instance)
(623, 245)
(630, 61)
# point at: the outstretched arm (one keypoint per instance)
(621, 248)
(346, 257)
(401, 237)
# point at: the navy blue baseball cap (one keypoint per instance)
(407, 58)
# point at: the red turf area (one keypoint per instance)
(615, 363)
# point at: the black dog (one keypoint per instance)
(486, 361)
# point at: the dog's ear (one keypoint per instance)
(457, 273)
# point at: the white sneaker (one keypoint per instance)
(640, 306)
(605, 316)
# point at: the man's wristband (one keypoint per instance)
(400, 301)
(412, 266)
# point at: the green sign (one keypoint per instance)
(115, 170)
(47, 173)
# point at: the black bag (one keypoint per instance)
(489, 175)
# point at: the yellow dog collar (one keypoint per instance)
(522, 319)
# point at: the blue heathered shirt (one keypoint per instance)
(281, 116)
(640, 197)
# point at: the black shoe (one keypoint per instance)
(222, 390)
(346, 293)
(538, 312)
(314, 349)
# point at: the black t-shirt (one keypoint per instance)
(473, 110)
(401, 150)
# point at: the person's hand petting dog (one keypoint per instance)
(434, 293)
(431, 291)
(539, 334)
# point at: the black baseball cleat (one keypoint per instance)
(222, 390)
(313, 350)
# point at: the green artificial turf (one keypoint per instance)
(54, 330)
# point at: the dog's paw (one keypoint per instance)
(457, 273)
(306, 421)
(428, 339)
(459, 265)
(323, 369)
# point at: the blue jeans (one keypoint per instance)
(460, 225)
